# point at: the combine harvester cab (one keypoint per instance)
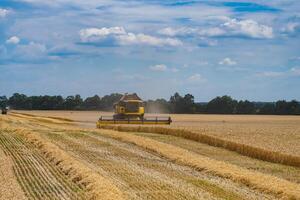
(130, 109)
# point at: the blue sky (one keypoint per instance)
(246, 49)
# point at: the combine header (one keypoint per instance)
(130, 110)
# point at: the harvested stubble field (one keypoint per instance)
(55, 155)
(276, 133)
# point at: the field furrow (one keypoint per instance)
(282, 171)
(127, 175)
(279, 187)
(243, 149)
(38, 164)
(54, 158)
(9, 187)
(38, 178)
(141, 174)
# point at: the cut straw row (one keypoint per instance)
(256, 180)
(243, 149)
(96, 185)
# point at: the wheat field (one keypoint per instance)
(61, 155)
(276, 133)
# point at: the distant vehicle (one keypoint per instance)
(4, 110)
(130, 109)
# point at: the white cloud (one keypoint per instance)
(160, 67)
(174, 70)
(13, 40)
(94, 34)
(227, 61)
(196, 78)
(295, 58)
(163, 68)
(232, 27)
(121, 37)
(183, 31)
(249, 28)
(3, 12)
(203, 41)
(31, 51)
(295, 71)
(232, 69)
(291, 27)
(186, 31)
(58, 3)
(131, 38)
(270, 74)
(211, 32)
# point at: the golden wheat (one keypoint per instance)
(146, 178)
(98, 187)
(136, 173)
(85, 149)
(289, 173)
(48, 117)
(9, 187)
(38, 178)
(54, 120)
(272, 133)
(265, 183)
(243, 149)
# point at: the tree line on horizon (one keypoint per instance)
(176, 104)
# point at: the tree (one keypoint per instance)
(3, 101)
(92, 103)
(108, 100)
(189, 104)
(181, 104)
(200, 107)
(176, 104)
(267, 109)
(77, 101)
(69, 103)
(281, 107)
(58, 102)
(222, 105)
(19, 101)
(293, 107)
(245, 107)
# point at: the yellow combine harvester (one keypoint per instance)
(130, 109)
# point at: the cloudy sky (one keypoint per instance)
(246, 49)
